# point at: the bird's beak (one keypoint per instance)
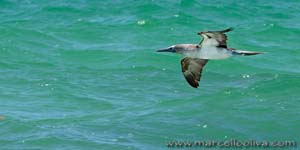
(199, 33)
(167, 50)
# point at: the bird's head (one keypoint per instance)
(179, 49)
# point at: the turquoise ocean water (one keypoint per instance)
(85, 75)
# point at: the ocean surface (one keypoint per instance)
(84, 75)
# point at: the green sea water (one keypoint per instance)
(84, 74)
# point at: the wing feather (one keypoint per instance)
(214, 38)
(192, 70)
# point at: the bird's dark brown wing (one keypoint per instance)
(192, 70)
(214, 38)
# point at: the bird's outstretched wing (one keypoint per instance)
(192, 70)
(214, 38)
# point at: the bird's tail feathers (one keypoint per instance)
(245, 53)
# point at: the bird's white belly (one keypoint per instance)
(213, 53)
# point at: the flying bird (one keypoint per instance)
(213, 46)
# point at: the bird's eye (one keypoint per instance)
(208, 36)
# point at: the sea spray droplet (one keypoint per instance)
(141, 22)
(246, 76)
(114, 140)
(227, 92)
(44, 85)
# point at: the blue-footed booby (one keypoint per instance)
(213, 46)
